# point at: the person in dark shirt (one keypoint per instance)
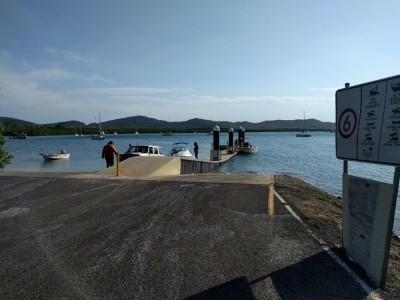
(196, 150)
(108, 153)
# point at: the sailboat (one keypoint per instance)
(100, 135)
(304, 133)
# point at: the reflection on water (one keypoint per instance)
(50, 165)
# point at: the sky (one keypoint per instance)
(174, 60)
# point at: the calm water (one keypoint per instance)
(310, 159)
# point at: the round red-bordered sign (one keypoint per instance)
(347, 123)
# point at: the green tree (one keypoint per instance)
(5, 158)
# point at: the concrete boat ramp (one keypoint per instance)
(156, 166)
(198, 236)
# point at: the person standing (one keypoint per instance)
(108, 153)
(196, 150)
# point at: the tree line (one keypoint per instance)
(5, 157)
(43, 130)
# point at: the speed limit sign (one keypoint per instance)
(347, 123)
(348, 106)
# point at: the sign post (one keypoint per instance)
(368, 129)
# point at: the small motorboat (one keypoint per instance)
(54, 156)
(181, 149)
(248, 148)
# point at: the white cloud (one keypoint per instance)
(50, 74)
(31, 98)
(128, 91)
(57, 73)
(70, 56)
(327, 89)
(97, 78)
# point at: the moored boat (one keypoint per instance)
(54, 156)
(181, 149)
(248, 148)
(304, 133)
(100, 135)
(19, 136)
(141, 150)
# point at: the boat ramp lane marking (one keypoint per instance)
(367, 289)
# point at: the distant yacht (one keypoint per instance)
(304, 133)
(100, 135)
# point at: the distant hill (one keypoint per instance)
(310, 124)
(67, 124)
(142, 122)
(145, 122)
(17, 122)
(134, 122)
(14, 122)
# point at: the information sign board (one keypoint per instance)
(366, 223)
(368, 122)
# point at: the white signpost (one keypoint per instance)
(368, 130)
(368, 122)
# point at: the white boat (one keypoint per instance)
(19, 136)
(304, 133)
(248, 148)
(167, 134)
(100, 135)
(181, 149)
(142, 150)
(54, 156)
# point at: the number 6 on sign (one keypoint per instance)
(347, 123)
